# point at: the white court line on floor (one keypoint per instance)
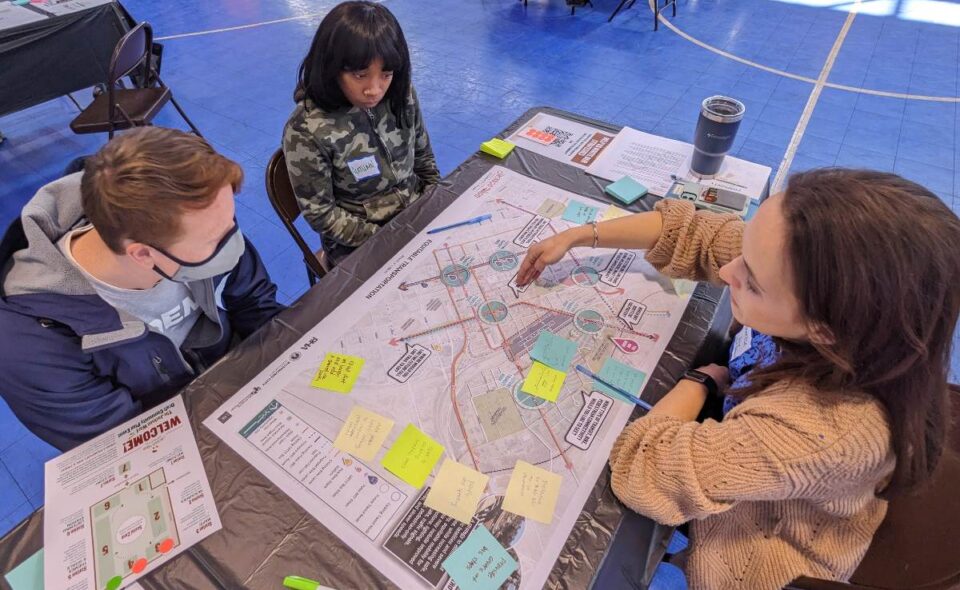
(240, 27)
(801, 127)
(786, 74)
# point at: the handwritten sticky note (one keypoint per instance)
(554, 351)
(480, 562)
(614, 212)
(338, 372)
(577, 212)
(544, 382)
(456, 490)
(532, 492)
(363, 433)
(623, 376)
(29, 574)
(412, 456)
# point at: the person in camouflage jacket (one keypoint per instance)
(356, 147)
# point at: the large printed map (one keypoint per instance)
(446, 334)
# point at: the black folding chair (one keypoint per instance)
(122, 108)
(284, 202)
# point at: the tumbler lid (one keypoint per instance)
(722, 109)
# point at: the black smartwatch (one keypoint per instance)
(703, 379)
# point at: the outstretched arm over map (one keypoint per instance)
(682, 242)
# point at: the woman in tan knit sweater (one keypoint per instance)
(854, 275)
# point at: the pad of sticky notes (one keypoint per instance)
(532, 492)
(412, 456)
(626, 190)
(500, 148)
(338, 372)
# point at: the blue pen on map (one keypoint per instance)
(631, 398)
(479, 219)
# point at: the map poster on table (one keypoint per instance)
(570, 142)
(448, 338)
(126, 502)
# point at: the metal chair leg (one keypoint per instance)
(193, 127)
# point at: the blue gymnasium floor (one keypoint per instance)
(479, 64)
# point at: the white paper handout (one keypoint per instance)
(651, 160)
(61, 7)
(445, 334)
(12, 15)
(126, 502)
(561, 139)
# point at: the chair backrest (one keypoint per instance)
(284, 202)
(133, 49)
(916, 546)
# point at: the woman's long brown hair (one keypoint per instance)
(875, 260)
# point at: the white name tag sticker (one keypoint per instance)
(741, 342)
(364, 168)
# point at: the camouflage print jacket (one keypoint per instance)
(353, 169)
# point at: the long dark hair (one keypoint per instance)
(876, 266)
(351, 36)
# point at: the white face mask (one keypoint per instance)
(224, 258)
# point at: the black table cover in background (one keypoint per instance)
(47, 59)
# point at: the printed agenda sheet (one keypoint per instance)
(126, 502)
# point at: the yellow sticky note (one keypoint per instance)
(363, 433)
(543, 381)
(456, 491)
(532, 492)
(412, 456)
(338, 372)
(614, 212)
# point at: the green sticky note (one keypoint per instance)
(554, 351)
(626, 190)
(28, 575)
(21, 2)
(544, 382)
(480, 562)
(623, 376)
(338, 372)
(497, 147)
(412, 456)
(577, 212)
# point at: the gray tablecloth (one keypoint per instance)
(267, 536)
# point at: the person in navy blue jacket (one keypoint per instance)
(121, 283)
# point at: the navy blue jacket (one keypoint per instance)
(71, 365)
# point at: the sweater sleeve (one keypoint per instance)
(694, 244)
(675, 471)
(785, 445)
(424, 162)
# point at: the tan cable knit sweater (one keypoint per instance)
(784, 486)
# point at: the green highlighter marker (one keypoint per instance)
(298, 583)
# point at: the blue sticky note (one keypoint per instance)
(21, 2)
(626, 190)
(577, 212)
(623, 376)
(554, 351)
(480, 563)
(28, 575)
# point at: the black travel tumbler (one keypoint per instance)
(716, 129)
